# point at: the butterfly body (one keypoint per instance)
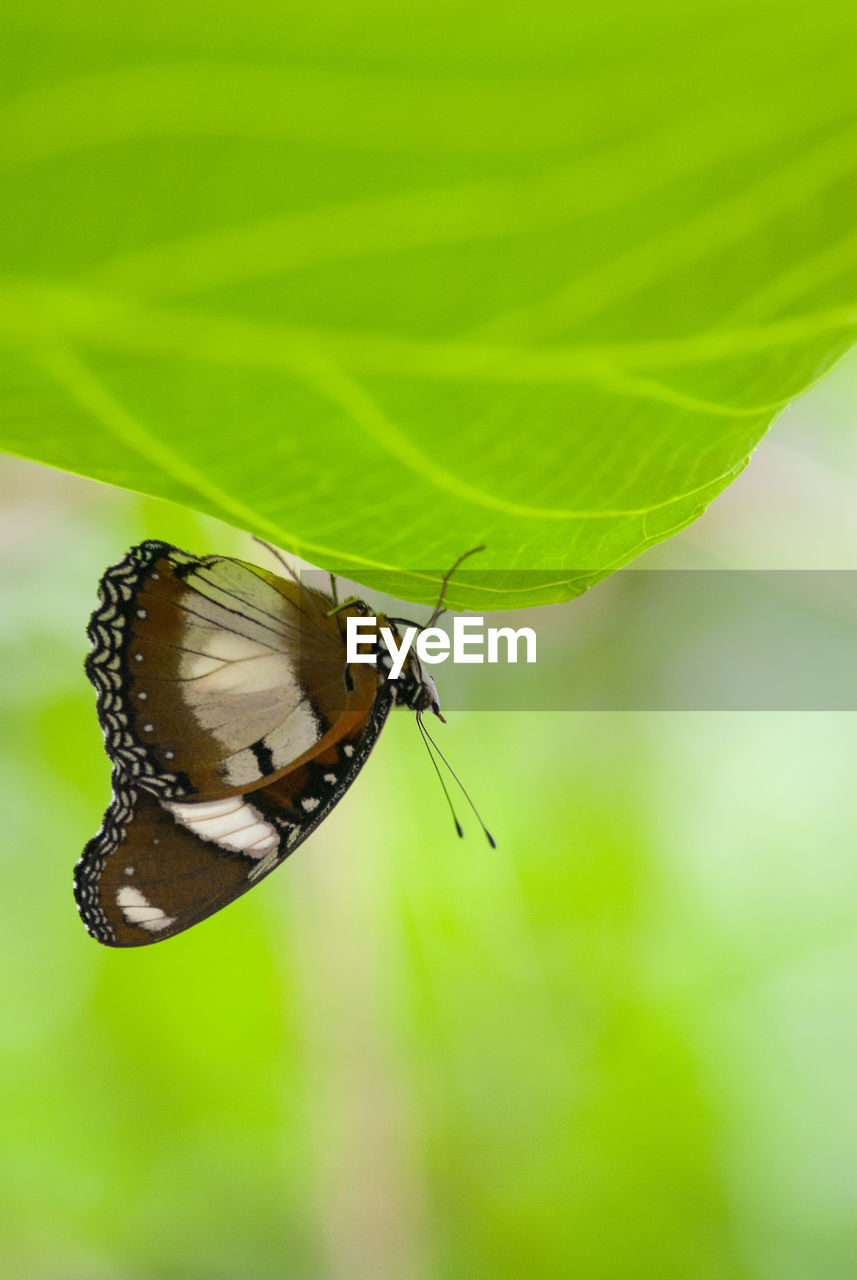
(234, 723)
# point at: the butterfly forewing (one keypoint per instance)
(213, 675)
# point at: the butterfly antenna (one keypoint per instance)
(465, 792)
(439, 609)
(426, 740)
(289, 570)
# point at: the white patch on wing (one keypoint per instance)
(267, 672)
(255, 840)
(236, 586)
(241, 769)
(200, 809)
(214, 648)
(239, 670)
(137, 909)
(231, 823)
(300, 732)
(263, 694)
(228, 646)
(194, 665)
(235, 613)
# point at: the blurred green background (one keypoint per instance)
(622, 1045)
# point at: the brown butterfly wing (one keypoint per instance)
(157, 867)
(213, 675)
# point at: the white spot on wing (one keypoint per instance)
(231, 823)
(257, 839)
(205, 808)
(263, 845)
(310, 803)
(137, 909)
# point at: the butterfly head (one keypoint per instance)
(420, 693)
(416, 689)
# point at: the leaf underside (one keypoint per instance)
(380, 290)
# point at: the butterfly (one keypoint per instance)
(234, 723)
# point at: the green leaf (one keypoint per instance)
(380, 284)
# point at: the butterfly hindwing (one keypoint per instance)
(159, 866)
